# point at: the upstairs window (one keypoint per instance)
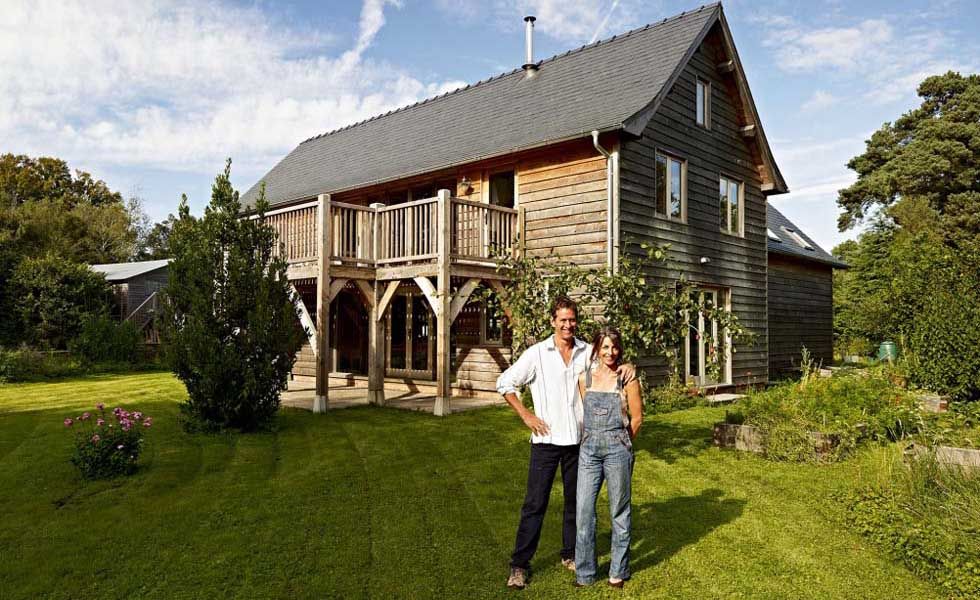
(671, 185)
(730, 202)
(502, 189)
(703, 103)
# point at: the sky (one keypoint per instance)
(152, 97)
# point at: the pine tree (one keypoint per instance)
(229, 326)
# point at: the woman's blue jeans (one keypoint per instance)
(603, 455)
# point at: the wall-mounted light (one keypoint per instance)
(465, 185)
(705, 260)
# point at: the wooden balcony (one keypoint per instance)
(398, 241)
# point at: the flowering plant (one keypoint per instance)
(107, 445)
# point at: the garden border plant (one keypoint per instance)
(103, 448)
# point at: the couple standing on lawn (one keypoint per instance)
(587, 410)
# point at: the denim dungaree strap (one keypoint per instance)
(606, 454)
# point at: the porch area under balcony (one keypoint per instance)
(387, 300)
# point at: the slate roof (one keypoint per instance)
(119, 272)
(598, 86)
(780, 226)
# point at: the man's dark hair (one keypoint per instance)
(563, 302)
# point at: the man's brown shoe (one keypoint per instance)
(517, 579)
(619, 583)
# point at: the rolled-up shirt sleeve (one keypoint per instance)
(518, 374)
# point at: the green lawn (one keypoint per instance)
(380, 503)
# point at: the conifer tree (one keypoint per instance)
(230, 325)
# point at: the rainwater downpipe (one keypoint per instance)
(612, 208)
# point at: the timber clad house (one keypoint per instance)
(389, 225)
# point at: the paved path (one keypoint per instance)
(301, 391)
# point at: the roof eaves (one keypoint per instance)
(455, 164)
(832, 261)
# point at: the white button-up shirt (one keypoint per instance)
(554, 388)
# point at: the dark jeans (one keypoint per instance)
(545, 460)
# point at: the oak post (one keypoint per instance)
(323, 304)
(443, 323)
(376, 348)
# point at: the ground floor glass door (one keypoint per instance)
(410, 351)
(702, 342)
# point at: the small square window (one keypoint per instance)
(730, 202)
(703, 103)
(671, 187)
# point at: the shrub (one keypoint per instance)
(54, 297)
(102, 339)
(850, 407)
(943, 343)
(32, 365)
(107, 445)
(229, 325)
(670, 397)
(927, 517)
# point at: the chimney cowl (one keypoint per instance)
(529, 65)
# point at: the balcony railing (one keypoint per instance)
(407, 233)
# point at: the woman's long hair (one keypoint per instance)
(607, 331)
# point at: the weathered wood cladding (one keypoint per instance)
(800, 312)
(131, 294)
(734, 263)
(562, 190)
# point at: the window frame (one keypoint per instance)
(489, 173)
(739, 230)
(700, 82)
(670, 156)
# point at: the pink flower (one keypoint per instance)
(95, 439)
(68, 422)
(148, 422)
(100, 422)
(137, 415)
(85, 416)
(116, 411)
(99, 406)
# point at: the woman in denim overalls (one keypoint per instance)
(613, 412)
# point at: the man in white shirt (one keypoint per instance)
(551, 368)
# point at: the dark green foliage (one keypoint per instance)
(48, 213)
(852, 408)
(928, 517)
(230, 323)
(24, 179)
(53, 297)
(102, 339)
(931, 153)
(914, 273)
(34, 365)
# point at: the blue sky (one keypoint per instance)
(151, 97)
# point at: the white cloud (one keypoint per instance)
(882, 60)
(182, 84)
(819, 100)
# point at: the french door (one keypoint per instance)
(704, 340)
(410, 351)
